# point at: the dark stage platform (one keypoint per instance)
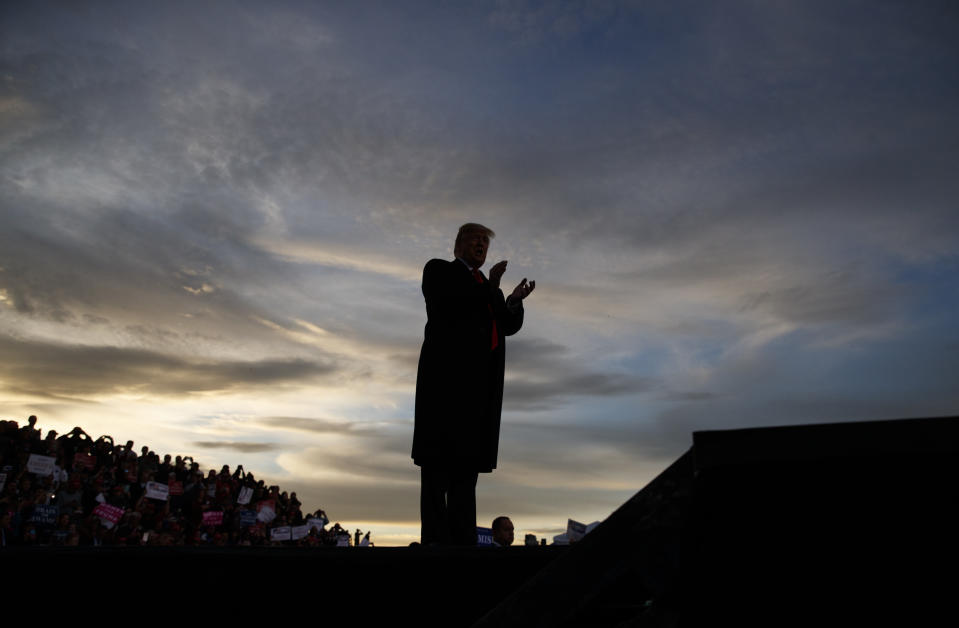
(831, 524)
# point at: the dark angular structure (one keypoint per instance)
(832, 524)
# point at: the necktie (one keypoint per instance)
(495, 336)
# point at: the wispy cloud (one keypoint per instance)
(50, 368)
(241, 447)
(321, 426)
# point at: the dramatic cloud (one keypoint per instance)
(215, 217)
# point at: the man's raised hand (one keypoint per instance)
(523, 289)
(496, 273)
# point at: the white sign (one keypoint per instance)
(319, 524)
(266, 513)
(41, 465)
(155, 490)
(246, 494)
(280, 533)
(343, 540)
(299, 532)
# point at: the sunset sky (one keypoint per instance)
(215, 217)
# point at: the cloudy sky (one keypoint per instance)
(215, 217)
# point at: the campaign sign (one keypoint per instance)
(246, 494)
(299, 532)
(265, 511)
(575, 530)
(247, 517)
(343, 540)
(155, 490)
(176, 487)
(280, 533)
(84, 461)
(484, 537)
(44, 515)
(213, 517)
(108, 513)
(41, 465)
(319, 524)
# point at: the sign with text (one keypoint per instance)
(41, 465)
(484, 537)
(44, 515)
(213, 518)
(280, 533)
(176, 487)
(155, 490)
(246, 494)
(247, 517)
(319, 524)
(343, 540)
(265, 511)
(108, 514)
(299, 532)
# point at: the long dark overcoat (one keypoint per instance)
(459, 382)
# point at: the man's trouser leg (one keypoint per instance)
(461, 507)
(434, 530)
(447, 506)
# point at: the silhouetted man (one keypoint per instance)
(459, 383)
(502, 532)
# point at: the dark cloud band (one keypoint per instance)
(48, 368)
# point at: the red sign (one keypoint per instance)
(176, 487)
(213, 517)
(108, 512)
(84, 461)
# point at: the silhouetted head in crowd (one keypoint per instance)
(502, 531)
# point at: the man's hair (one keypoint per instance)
(470, 227)
(497, 522)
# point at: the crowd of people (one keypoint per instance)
(72, 489)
